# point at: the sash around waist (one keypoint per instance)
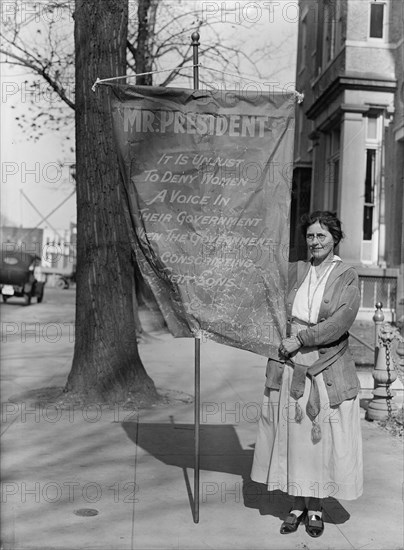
(296, 321)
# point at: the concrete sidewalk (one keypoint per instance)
(135, 471)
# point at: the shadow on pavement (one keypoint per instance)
(220, 451)
(278, 504)
(173, 444)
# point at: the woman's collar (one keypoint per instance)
(335, 258)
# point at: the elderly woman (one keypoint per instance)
(309, 441)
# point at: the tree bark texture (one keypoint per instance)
(106, 365)
(146, 14)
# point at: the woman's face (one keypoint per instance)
(320, 241)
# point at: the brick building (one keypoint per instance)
(349, 142)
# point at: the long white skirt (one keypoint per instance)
(285, 457)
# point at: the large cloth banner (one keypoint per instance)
(208, 178)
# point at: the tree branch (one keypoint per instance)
(131, 48)
(41, 71)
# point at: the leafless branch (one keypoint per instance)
(41, 71)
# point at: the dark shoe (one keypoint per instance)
(314, 525)
(291, 523)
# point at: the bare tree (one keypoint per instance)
(106, 364)
(158, 37)
(40, 41)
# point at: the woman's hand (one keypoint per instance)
(289, 345)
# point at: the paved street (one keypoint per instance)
(32, 333)
(100, 478)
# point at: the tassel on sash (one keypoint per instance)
(299, 415)
(313, 403)
(315, 432)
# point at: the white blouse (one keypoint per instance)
(310, 293)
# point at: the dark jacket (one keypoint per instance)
(339, 307)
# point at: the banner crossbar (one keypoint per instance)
(299, 95)
(102, 80)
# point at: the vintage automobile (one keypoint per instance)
(21, 276)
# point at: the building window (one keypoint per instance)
(376, 20)
(370, 183)
(335, 186)
(372, 225)
(339, 31)
(333, 153)
(303, 48)
(332, 30)
(314, 29)
(328, 33)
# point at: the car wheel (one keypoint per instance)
(27, 299)
(61, 283)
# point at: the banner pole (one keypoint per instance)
(196, 427)
(195, 44)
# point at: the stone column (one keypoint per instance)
(352, 185)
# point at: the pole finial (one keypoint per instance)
(195, 56)
(378, 317)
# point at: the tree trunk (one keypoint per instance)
(106, 364)
(146, 14)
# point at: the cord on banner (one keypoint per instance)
(299, 95)
(101, 81)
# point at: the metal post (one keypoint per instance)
(195, 45)
(197, 424)
(381, 406)
(378, 319)
(400, 353)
